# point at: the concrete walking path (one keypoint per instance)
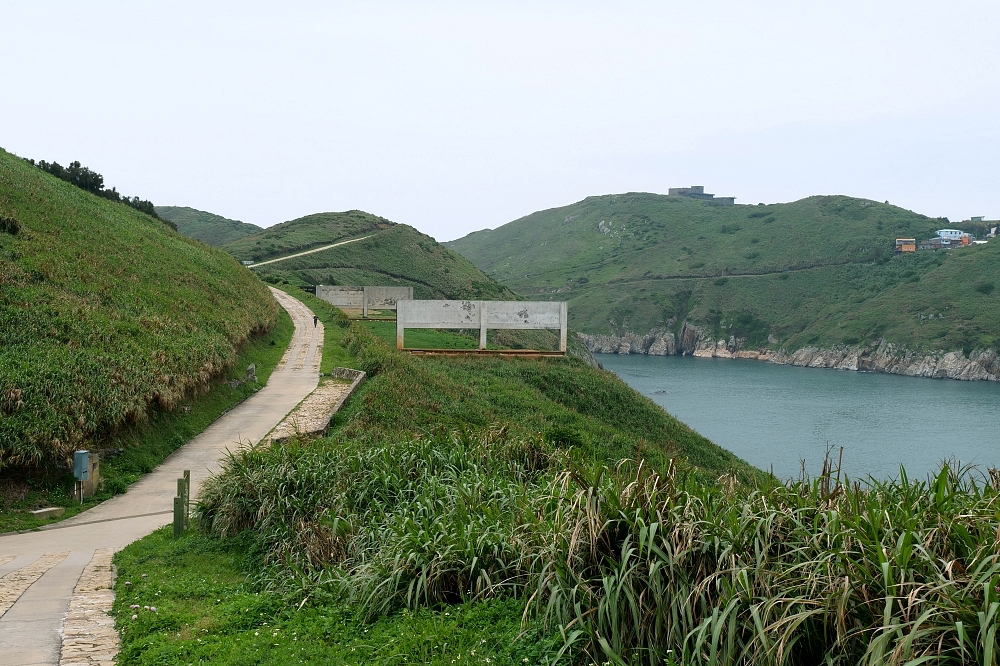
(300, 254)
(42, 572)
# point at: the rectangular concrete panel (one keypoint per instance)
(342, 297)
(363, 298)
(384, 298)
(484, 315)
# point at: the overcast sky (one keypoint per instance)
(456, 116)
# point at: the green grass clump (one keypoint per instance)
(105, 315)
(819, 271)
(209, 228)
(207, 612)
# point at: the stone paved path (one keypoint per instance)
(313, 414)
(55, 584)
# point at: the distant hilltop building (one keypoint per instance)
(698, 192)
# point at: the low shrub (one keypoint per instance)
(9, 225)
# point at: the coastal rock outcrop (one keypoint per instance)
(657, 342)
(881, 356)
(896, 360)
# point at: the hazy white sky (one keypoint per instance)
(455, 116)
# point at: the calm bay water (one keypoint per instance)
(778, 415)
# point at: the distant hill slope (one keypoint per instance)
(105, 313)
(209, 228)
(819, 271)
(393, 254)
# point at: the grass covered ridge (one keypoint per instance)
(105, 315)
(819, 271)
(393, 254)
(561, 399)
(209, 228)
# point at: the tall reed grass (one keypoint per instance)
(644, 568)
(632, 566)
(648, 560)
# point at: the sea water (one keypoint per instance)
(777, 416)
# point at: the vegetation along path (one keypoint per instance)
(55, 584)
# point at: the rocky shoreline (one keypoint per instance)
(881, 356)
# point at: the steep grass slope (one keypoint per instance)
(209, 228)
(477, 511)
(390, 254)
(819, 271)
(105, 313)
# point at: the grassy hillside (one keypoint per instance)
(105, 314)
(393, 254)
(478, 511)
(209, 228)
(816, 271)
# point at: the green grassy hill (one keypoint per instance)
(390, 254)
(478, 511)
(105, 315)
(209, 228)
(819, 271)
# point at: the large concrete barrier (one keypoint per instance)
(483, 315)
(363, 298)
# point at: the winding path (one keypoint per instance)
(54, 583)
(312, 251)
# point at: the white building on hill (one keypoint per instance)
(951, 234)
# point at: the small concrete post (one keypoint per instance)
(400, 322)
(482, 324)
(187, 497)
(178, 517)
(563, 321)
(183, 503)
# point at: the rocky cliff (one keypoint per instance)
(881, 356)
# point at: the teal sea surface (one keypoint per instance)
(775, 417)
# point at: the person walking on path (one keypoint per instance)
(315, 320)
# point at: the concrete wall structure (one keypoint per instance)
(363, 298)
(483, 315)
(698, 192)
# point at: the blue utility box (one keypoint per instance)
(81, 465)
